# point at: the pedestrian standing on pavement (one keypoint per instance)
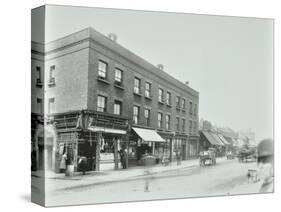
(178, 157)
(265, 153)
(83, 164)
(63, 163)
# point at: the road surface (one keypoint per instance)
(222, 179)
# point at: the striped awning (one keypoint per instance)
(217, 138)
(223, 139)
(148, 135)
(212, 139)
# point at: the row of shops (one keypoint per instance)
(101, 138)
(220, 142)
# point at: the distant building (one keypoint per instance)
(248, 136)
(101, 98)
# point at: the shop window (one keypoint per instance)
(107, 146)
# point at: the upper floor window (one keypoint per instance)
(38, 76)
(147, 89)
(183, 125)
(178, 123)
(168, 122)
(137, 82)
(118, 76)
(51, 105)
(117, 107)
(102, 101)
(195, 127)
(147, 116)
(190, 126)
(52, 75)
(40, 105)
(177, 101)
(102, 69)
(183, 104)
(160, 120)
(136, 114)
(168, 98)
(190, 107)
(195, 109)
(160, 95)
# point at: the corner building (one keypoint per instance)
(101, 98)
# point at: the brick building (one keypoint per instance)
(101, 98)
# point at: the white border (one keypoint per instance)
(15, 103)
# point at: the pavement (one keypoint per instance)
(227, 177)
(59, 182)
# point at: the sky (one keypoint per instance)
(228, 60)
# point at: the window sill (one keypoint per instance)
(103, 80)
(161, 102)
(39, 85)
(169, 105)
(119, 86)
(178, 108)
(138, 94)
(51, 84)
(148, 97)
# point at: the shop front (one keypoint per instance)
(96, 138)
(193, 149)
(146, 146)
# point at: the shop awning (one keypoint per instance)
(107, 130)
(223, 140)
(211, 139)
(148, 135)
(240, 143)
(229, 140)
(217, 139)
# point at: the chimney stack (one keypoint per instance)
(160, 66)
(112, 37)
(187, 83)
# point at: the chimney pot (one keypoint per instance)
(112, 37)
(160, 66)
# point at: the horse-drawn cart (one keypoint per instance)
(207, 157)
(246, 155)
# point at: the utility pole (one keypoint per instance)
(98, 151)
(115, 153)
